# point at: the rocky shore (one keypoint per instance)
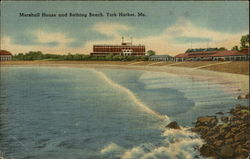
(226, 135)
(243, 96)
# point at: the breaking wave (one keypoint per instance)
(177, 143)
(131, 95)
(181, 144)
(112, 151)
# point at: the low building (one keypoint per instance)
(214, 56)
(5, 55)
(161, 58)
(125, 49)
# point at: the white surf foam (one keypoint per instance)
(182, 144)
(130, 94)
(112, 151)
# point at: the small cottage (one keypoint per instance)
(5, 55)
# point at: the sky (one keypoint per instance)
(168, 27)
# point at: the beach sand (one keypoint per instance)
(232, 81)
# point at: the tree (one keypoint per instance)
(117, 58)
(244, 41)
(150, 52)
(188, 50)
(144, 58)
(86, 57)
(235, 48)
(69, 56)
(77, 57)
(19, 56)
(222, 49)
(109, 57)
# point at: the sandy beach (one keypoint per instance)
(232, 81)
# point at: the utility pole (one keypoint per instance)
(122, 39)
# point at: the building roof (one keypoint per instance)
(246, 50)
(101, 45)
(183, 55)
(159, 56)
(211, 54)
(4, 52)
(229, 53)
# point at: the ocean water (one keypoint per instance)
(84, 113)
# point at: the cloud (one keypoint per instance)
(110, 29)
(173, 40)
(56, 38)
(178, 37)
(113, 30)
(185, 28)
(47, 42)
(185, 39)
(7, 43)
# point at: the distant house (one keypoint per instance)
(214, 56)
(245, 50)
(5, 55)
(161, 58)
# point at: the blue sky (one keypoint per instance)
(168, 27)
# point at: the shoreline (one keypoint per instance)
(231, 81)
(226, 134)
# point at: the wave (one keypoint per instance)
(131, 95)
(182, 144)
(112, 151)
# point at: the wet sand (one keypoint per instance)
(232, 81)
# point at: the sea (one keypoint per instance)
(93, 113)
